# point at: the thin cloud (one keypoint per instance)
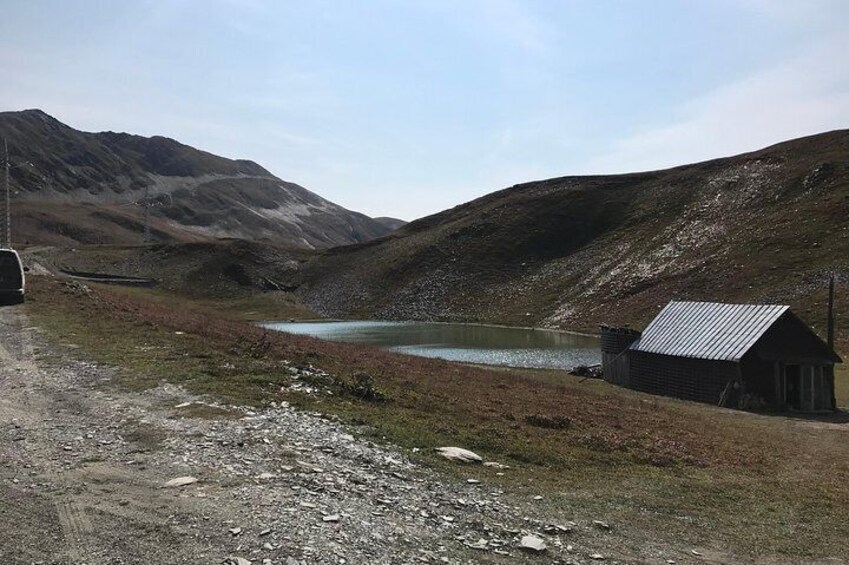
(517, 23)
(803, 96)
(509, 22)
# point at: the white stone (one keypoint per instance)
(496, 465)
(532, 543)
(181, 481)
(459, 454)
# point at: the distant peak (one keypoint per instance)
(31, 114)
(37, 112)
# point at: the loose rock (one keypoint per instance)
(533, 544)
(459, 454)
(181, 482)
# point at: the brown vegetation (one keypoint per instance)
(779, 477)
(573, 252)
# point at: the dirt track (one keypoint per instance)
(83, 464)
(75, 489)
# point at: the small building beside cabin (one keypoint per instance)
(735, 355)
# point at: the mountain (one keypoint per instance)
(572, 252)
(78, 187)
(391, 223)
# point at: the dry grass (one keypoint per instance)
(841, 385)
(259, 307)
(666, 469)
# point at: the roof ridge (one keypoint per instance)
(708, 330)
(727, 303)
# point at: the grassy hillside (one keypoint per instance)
(572, 252)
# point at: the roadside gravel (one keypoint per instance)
(83, 469)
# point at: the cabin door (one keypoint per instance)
(793, 386)
(805, 388)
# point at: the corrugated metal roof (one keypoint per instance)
(708, 330)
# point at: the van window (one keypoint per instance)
(11, 276)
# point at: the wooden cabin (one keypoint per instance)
(736, 355)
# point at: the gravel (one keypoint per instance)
(102, 475)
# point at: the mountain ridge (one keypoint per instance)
(81, 187)
(571, 252)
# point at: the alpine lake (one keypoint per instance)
(464, 343)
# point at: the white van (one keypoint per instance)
(11, 277)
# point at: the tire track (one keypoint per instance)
(76, 528)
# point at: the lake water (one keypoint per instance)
(467, 343)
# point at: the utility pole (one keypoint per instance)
(146, 214)
(6, 241)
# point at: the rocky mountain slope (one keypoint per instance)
(575, 251)
(78, 187)
(392, 223)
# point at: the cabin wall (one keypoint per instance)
(829, 379)
(789, 347)
(789, 340)
(691, 379)
(759, 378)
(615, 362)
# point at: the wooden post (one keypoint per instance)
(830, 322)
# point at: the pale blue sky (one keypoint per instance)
(405, 108)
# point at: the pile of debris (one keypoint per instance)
(588, 371)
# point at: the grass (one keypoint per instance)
(841, 384)
(258, 307)
(661, 469)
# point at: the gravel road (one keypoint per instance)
(84, 464)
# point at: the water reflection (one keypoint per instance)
(514, 347)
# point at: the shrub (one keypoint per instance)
(548, 422)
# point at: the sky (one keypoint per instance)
(407, 107)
